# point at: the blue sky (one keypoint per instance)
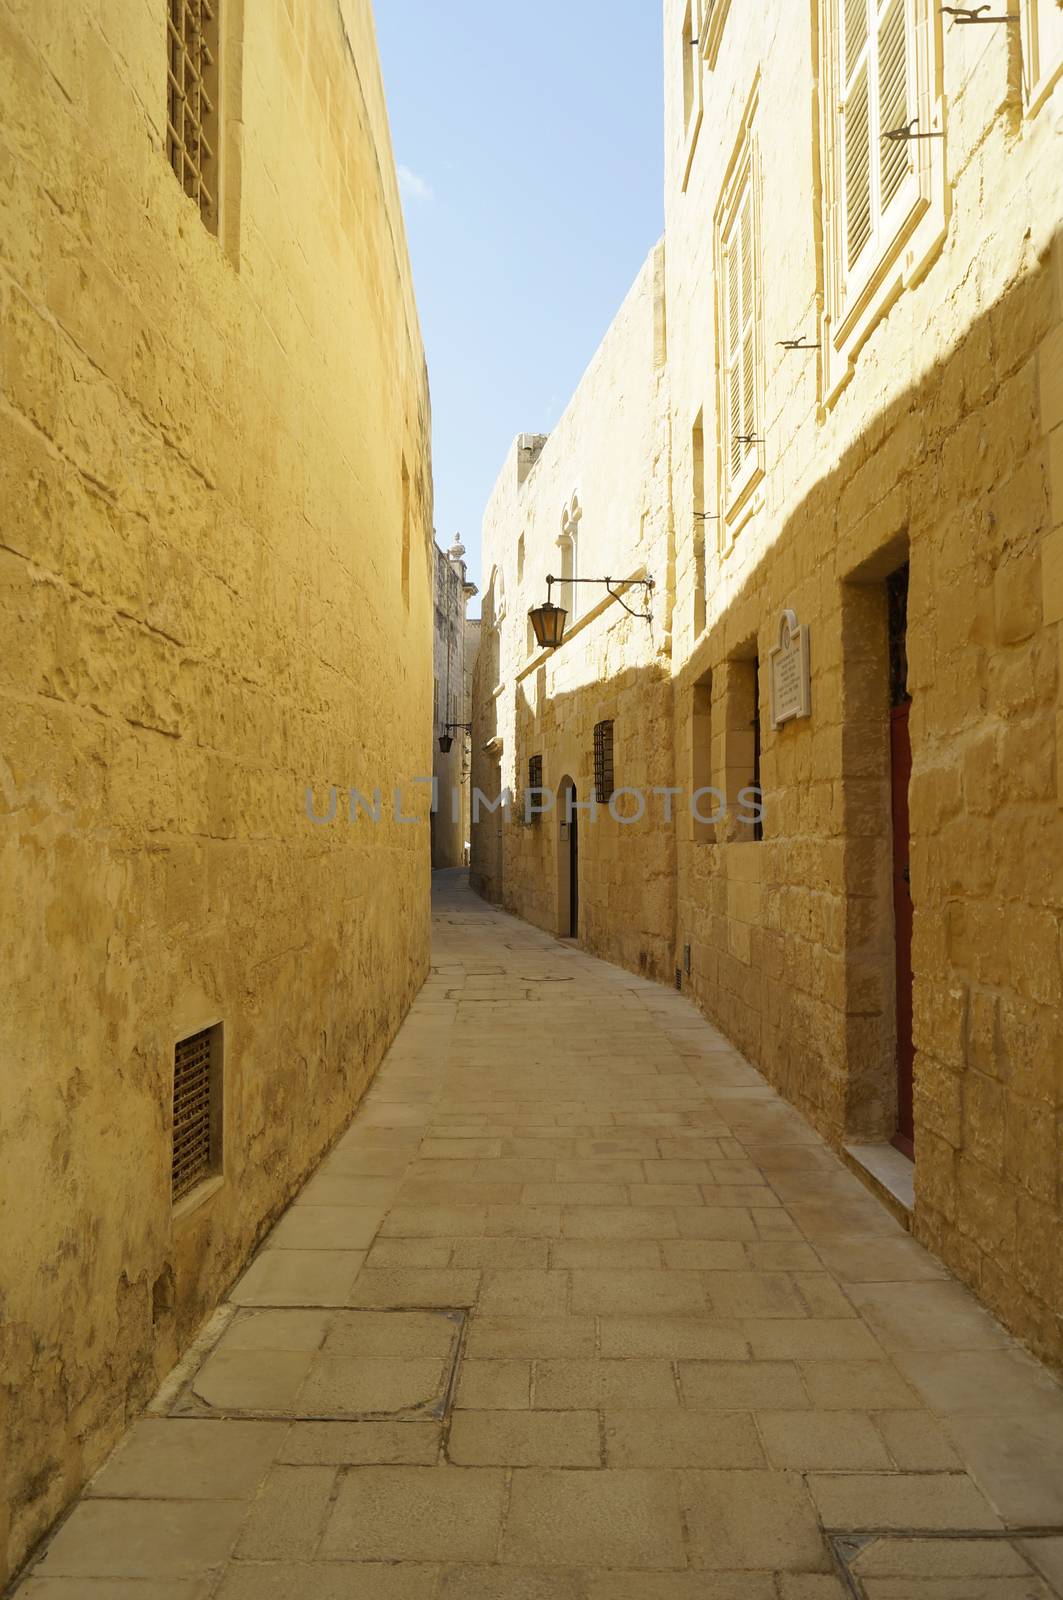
(529, 142)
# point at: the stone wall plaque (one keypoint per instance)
(791, 680)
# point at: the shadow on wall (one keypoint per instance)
(789, 942)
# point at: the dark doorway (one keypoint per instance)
(567, 861)
(900, 777)
(573, 868)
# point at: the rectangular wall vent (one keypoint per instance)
(196, 1110)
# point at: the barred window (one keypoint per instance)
(197, 1146)
(192, 120)
(535, 781)
(603, 762)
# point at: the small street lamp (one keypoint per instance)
(548, 621)
(446, 738)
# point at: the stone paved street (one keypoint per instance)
(578, 1309)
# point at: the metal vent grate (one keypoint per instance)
(192, 101)
(193, 1082)
(603, 762)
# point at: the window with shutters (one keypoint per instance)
(885, 193)
(689, 56)
(1042, 50)
(712, 25)
(739, 339)
(197, 1111)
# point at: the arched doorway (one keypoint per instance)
(567, 860)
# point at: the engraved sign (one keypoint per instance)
(791, 684)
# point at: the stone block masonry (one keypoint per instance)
(840, 401)
(215, 589)
(662, 1385)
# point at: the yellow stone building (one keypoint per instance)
(452, 592)
(828, 423)
(216, 595)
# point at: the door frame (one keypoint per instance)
(900, 759)
(567, 904)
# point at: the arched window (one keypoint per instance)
(568, 543)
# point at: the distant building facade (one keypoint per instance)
(852, 508)
(450, 707)
(217, 593)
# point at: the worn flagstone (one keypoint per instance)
(655, 1342)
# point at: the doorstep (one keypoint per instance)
(888, 1174)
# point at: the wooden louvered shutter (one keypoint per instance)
(749, 331)
(894, 100)
(733, 347)
(740, 336)
(855, 75)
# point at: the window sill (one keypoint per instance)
(199, 1196)
(742, 509)
(915, 248)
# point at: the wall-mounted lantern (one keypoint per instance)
(548, 620)
(446, 738)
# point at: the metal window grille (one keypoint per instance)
(603, 762)
(535, 780)
(192, 109)
(193, 1081)
(897, 602)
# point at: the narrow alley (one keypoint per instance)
(579, 1309)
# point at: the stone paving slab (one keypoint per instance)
(579, 1309)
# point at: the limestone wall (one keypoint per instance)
(921, 426)
(944, 448)
(603, 472)
(215, 592)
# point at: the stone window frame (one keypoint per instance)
(699, 476)
(736, 705)
(221, 215)
(714, 20)
(492, 617)
(568, 544)
(908, 236)
(739, 496)
(1038, 79)
(690, 89)
(702, 755)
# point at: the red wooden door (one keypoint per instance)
(901, 772)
